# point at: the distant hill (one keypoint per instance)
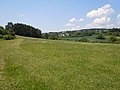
(86, 31)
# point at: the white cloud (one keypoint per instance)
(73, 24)
(81, 20)
(78, 27)
(106, 10)
(118, 22)
(118, 16)
(70, 25)
(108, 19)
(118, 19)
(100, 22)
(101, 15)
(72, 19)
(110, 26)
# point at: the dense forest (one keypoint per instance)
(11, 30)
(26, 30)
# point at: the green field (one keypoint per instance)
(90, 38)
(38, 64)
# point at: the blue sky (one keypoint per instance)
(59, 15)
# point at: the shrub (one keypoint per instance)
(8, 37)
(53, 37)
(100, 36)
(83, 40)
(113, 39)
(1, 36)
(45, 36)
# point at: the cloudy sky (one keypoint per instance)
(58, 15)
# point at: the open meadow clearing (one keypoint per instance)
(38, 64)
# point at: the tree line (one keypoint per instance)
(100, 35)
(11, 30)
(26, 30)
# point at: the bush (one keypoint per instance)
(6, 34)
(83, 40)
(45, 36)
(53, 37)
(8, 37)
(100, 36)
(113, 39)
(1, 36)
(117, 42)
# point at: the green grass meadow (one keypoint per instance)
(38, 64)
(90, 38)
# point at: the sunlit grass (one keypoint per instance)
(38, 64)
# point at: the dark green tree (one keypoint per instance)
(26, 30)
(9, 25)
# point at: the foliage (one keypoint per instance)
(115, 30)
(53, 37)
(7, 34)
(100, 36)
(1, 27)
(114, 39)
(9, 26)
(1, 36)
(45, 36)
(83, 40)
(26, 30)
(8, 37)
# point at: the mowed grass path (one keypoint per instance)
(38, 64)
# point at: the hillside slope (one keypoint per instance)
(38, 64)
